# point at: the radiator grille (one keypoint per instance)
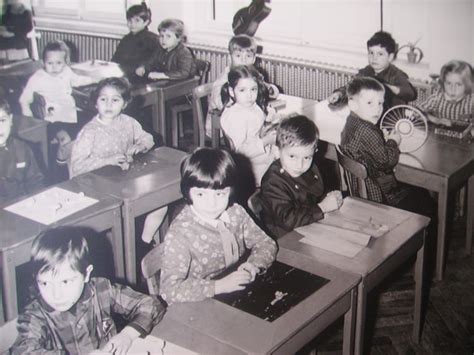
(308, 79)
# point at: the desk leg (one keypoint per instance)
(9, 287)
(117, 243)
(420, 257)
(128, 216)
(159, 116)
(469, 212)
(360, 319)
(440, 252)
(349, 325)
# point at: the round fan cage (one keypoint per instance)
(410, 123)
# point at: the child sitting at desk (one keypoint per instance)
(454, 102)
(211, 234)
(19, 171)
(244, 117)
(175, 61)
(139, 46)
(292, 188)
(363, 141)
(17, 23)
(382, 50)
(71, 311)
(113, 138)
(54, 83)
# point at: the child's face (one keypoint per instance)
(245, 92)
(54, 62)
(168, 39)
(62, 288)
(137, 24)
(110, 103)
(368, 105)
(209, 203)
(5, 127)
(296, 160)
(242, 57)
(454, 87)
(379, 58)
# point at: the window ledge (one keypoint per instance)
(113, 30)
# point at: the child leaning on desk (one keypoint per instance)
(363, 141)
(113, 138)
(174, 61)
(19, 171)
(138, 47)
(292, 191)
(211, 234)
(381, 51)
(454, 102)
(71, 311)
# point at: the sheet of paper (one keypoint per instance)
(155, 345)
(334, 239)
(51, 205)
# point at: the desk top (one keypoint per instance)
(17, 230)
(378, 250)
(213, 327)
(154, 171)
(24, 124)
(23, 68)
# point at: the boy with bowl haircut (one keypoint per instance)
(71, 311)
(292, 189)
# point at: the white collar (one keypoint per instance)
(224, 217)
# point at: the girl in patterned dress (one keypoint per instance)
(113, 138)
(211, 234)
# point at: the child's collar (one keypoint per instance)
(224, 217)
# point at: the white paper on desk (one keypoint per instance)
(154, 345)
(51, 205)
(334, 239)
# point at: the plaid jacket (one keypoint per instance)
(88, 325)
(364, 142)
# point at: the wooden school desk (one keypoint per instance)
(153, 181)
(32, 130)
(213, 327)
(18, 233)
(383, 255)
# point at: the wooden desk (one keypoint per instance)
(213, 327)
(19, 232)
(374, 262)
(32, 130)
(153, 181)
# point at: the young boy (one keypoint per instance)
(72, 312)
(140, 45)
(175, 61)
(292, 188)
(19, 171)
(363, 141)
(381, 50)
(243, 51)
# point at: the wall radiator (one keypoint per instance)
(308, 79)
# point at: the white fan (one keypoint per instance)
(410, 123)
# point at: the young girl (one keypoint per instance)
(113, 138)
(211, 234)
(455, 101)
(245, 113)
(174, 61)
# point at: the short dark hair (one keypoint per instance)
(363, 83)
(57, 46)
(5, 106)
(120, 84)
(174, 25)
(55, 246)
(297, 131)
(384, 40)
(140, 10)
(207, 168)
(242, 42)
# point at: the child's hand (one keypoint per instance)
(135, 149)
(233, 282)
(250, 268)
(332, 202)
(120, 160)
(140, 71)
(445, 122)
(270, 138)
(393, 88)
(394, 135)
(157, 76)
(120, 343)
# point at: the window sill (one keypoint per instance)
(114, 30)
